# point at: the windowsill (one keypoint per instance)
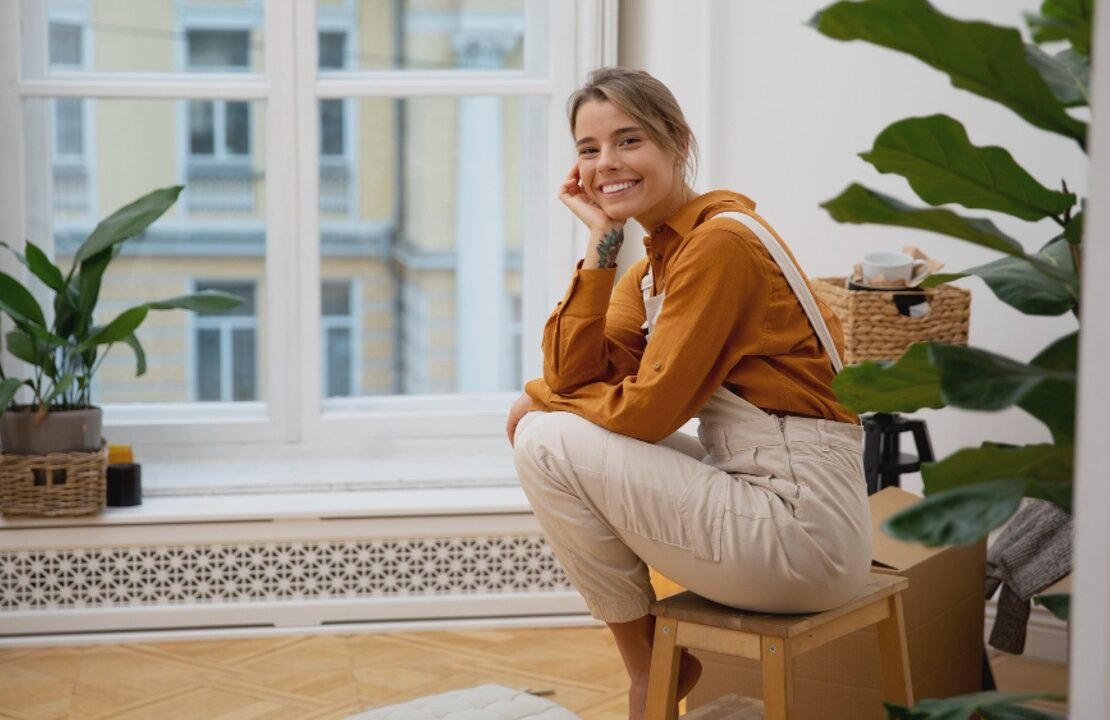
(292, 484)
(277, 507)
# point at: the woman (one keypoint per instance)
(767, 509)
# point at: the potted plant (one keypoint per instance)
(65, 350)
(974, 490)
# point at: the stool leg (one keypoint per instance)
(778, 679)
(662, 692)
(894, 655)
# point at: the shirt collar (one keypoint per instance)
(693, 213)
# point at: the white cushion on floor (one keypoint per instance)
(482, 702)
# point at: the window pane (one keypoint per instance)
(65, 44)
(338, 355)
(424, 35)
(208, 364)
(333, 48)
(243, 364)
(143, 36)
(69, 126)
(331, 127)
(238, 128)
(215, 233)
(335, 300)
(202, 127)
(217, 49)
(434, 235)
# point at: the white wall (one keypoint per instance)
(781, 112)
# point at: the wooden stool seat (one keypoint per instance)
(689, 621)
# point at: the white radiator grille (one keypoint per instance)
(188, 574)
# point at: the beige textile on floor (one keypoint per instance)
(482, 702)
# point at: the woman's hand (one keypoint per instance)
(574, 196)
(606, 234)
(520, 408)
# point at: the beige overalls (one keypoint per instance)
(759, 512)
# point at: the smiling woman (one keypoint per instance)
(766, 510)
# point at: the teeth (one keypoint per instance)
(616, 187)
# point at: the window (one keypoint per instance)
(339, 325)
(379, 217)
(70, 172)
(225, 357)
(220, 172)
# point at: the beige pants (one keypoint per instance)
(759, 512)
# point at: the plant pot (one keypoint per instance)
(60, 431)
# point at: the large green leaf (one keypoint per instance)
(989, 705)
(986, 59)
(976, 379)
(8, 388)
(1053, 401)
(1073, 233)
(959, 516)
(127, 222)
(22, 346)
(203, 301)
(39, 264)
(942, 166)
(66, 311)
(858, 204)
(140, 355)
(18, 301)
(1045, 470)
(907, 385)
(123, 325)
(1018, 284)
(1067, 73)
(60, 387)
(1059, 604)
(88, 286)
(1064, 20)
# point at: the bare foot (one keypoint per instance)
(688, 673)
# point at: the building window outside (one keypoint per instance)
(339, 327)
(220, 173)
(335, 166)
(225, 346)
(70, 174)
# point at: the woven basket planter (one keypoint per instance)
(53, 485)
(874, 329)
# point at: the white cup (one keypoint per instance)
(889, 268)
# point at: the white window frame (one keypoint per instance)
(291, 90)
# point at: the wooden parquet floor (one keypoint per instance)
(306, 677)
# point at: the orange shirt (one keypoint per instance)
(729, 318)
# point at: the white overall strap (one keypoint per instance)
(797, 283)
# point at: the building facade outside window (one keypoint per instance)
(378, 212)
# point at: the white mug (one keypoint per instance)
(890, 268)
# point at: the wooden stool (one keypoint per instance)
(689, 621)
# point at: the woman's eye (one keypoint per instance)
(587, 151)
(630, 140)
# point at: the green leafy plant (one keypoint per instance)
(65, 352)
(975, 490)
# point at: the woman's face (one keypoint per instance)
(622, 170)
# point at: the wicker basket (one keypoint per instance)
(874, 329)
(53, 485)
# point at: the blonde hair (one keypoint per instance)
(648, 102)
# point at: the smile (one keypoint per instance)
(614, 189)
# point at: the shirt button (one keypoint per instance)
(657, 366)
(658, 256)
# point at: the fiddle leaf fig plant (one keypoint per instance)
(65, 351)
(976, 489)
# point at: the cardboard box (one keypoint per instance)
(841, 680)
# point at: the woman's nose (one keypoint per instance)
(608, 158)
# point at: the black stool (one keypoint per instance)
(883, 462)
